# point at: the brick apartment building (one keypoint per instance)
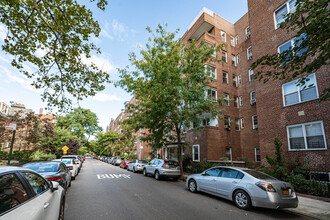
(259, 112)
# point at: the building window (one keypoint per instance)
(226, 99)
(225, 77)
(211, 71)
(287, 46)
(223, 36)
(242, 123)
(251, 75)
(254, 122)
(238, 58)
(233, 60)
(247, 32)
(237, 124)
(241, 101)
(195, 153)
(206, 122)
(235, 101)
(249, 53)
(232, 41)
(224, 56)
(234, 81)
(227, 122)
(212, 46)
(239, 77)
(228, 153)
(257, 154)
(281, 12)
(307, 136)
(293, 93)
(252, 97)
(211, 94)
(236, 39)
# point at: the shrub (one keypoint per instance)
(42, 156)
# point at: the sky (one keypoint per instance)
(123, 25)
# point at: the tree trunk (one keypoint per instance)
(178, 133)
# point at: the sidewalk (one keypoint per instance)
(312, 207)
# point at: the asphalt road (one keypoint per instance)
(103, 191)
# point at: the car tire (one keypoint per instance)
(242, 200)
(134, 170)
(157, 176)
(192, 186)
(144, 172)
(62, 207)
(70, 183)
(73, 178)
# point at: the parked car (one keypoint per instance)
(111, 159)
(24, 195)
(118, 161)
(52, 171)
(72, 166)
(246, 187)
(123, 164)
(75, 158)
(114, 160)
(136, 165)
(162, 168)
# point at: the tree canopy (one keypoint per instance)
(53, 36)
(310, 21)
(172, 86)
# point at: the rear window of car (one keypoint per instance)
(40, 168)
(66, 161)
(142, 161)
(259, 175)
(73, 158)
(172, 163)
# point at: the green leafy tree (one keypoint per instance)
(106, 143)
(127, 138)
(311, 23)
(170, 81)
(82, 122)
(53, 35)
(277, 163)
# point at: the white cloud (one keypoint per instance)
(3, 32)
(4, 59)
(116, 31)
(100, 61)
(103, 97)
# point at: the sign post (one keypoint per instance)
(11, 126)
(65, 149)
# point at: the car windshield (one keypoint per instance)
(40, 168)
(259, 175)
(73, 158)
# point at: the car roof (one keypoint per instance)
(4, 169)
(238, 168)
(41, 162)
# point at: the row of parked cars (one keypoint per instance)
(247, 188)
(37, 190)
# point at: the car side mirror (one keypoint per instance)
(54, 185)
(204, 174)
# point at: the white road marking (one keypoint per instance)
(112, 176)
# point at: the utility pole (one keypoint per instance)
(11, 126)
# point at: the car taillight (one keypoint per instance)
(55, 178)
(164, 164)
(265, 186)
(76, 161)
(70, 167)
(138, 165)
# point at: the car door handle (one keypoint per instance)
(234, 182)
(46, 205)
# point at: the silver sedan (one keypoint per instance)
(136, 165)
(245, 187)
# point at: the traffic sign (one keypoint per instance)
(65, 148)
(10, 126)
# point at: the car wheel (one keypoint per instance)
(144, 172)
(134, 170)
(73, 178)
(61, 214)
(192, 186)
(70, 183)
(242, 200)
(157, 177)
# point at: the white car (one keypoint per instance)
(71, 165)
(25, 194)
(75, 158)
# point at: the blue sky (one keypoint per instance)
(123, 26)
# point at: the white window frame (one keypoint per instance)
(241, 101)
(251, 74)
(276, 25)
(242, 123)
(254, 126)
(236, 39)
(299, 90)
(209, 73)
(223, 38)
(255, 154)
(239, 79)
(248, 54)
(231, 156)
(233, 60)
(247, 34)
(235, 83)
(251, 98)
(236, 100)
(215, 52)
(238, 59)
(237, 121)
(305, 136)
(225, 97)
(225, 52)
(211, 89)
(193, 152)
(226, 77)
(232, 40)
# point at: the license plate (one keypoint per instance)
(285, 192)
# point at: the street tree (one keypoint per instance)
(82, 122)
(53, 36)
(172, 85)
(106, 143)
(310, 21)
(127, 139)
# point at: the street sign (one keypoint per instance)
(65, 149)
(11, 126)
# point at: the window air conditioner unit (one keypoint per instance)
(248, 36)
(253, 101)
(227, 127)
